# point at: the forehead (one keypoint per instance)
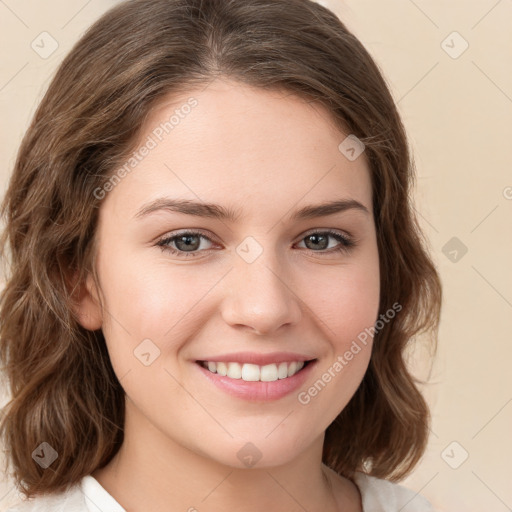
(246, 148)
(227, 111)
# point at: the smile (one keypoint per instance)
(257, 383)
(253, 372)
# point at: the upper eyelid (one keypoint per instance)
(197, 231)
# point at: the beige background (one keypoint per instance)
(457, 108)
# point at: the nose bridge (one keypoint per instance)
(260, 294)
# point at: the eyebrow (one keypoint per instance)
(216, 211)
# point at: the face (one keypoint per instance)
(262, 287)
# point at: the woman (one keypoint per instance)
(215, 270)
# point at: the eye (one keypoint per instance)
(320, 239)
(187, 243)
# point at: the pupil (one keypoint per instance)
(315, 239)
(186, 240)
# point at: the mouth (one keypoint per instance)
(256, 383)
(249, 372)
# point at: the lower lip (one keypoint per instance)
(258, 391)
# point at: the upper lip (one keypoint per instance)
(257, 358)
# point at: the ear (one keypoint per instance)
(86, 305)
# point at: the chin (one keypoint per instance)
(257, 451)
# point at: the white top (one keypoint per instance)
(89, 496)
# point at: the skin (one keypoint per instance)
(264, 154)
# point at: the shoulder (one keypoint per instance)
(380, 495)
(71, 500)
(86, 496)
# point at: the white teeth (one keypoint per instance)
(253, 372)
(282, 371)
(234, 370)
(268, 373)
(222, 369)
(250, 372)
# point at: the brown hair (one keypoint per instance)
(64, 390)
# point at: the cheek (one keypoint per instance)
(152, 299)
(347, 301)
(348, 309)
(151, 312)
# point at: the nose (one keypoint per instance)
(260, 296)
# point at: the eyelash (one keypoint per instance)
(346, 243)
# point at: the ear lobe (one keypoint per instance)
(86, 304)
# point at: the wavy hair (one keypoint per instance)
(62, 384)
